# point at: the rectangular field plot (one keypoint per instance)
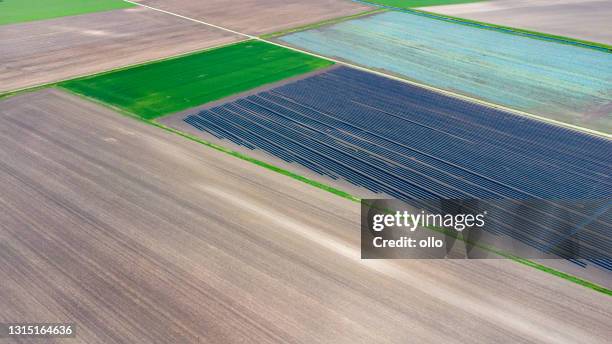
(16, 11)
(169, 86)
(411, 143)
(82, 187)
(582, 19)
(561, 82)
(257, 17)
(57, 49)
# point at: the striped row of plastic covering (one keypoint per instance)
(565, 83)
(414, 144)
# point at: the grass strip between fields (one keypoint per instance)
(523, 261)
(166, 87)
(322, 23)
(19, 11)
(336, 191)
(530, 263)
(500, 28)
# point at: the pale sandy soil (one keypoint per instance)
(51, 50)
(257, 17)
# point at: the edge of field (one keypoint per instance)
(280, 64)
(500, 28)
(328, 22)
(568, 277)
(424, 3)
(322, 23)
(139, 64)
(116, 5)
(454, 94)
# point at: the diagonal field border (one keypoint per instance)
(359, 67)
(389, 76)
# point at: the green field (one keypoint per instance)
(165, 87)
(17, 11)
(418, 3)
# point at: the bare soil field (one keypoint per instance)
(51, 50)
(257, 17)
(141, 236)
(583, 19)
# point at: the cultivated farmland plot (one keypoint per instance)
(173, 85)
(583, 19)
(562, 82)
(257, 17)
(139, 235)
(51, 50)
(16, 11)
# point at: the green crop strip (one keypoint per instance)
(529, 263)
(563, 275)
(165, 87)
(17, 11)
(322, 23)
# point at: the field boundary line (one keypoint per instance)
(64, 15)
(322, 23)
(193, 19)
(217, 147)
(494, 27)
(390, 76)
